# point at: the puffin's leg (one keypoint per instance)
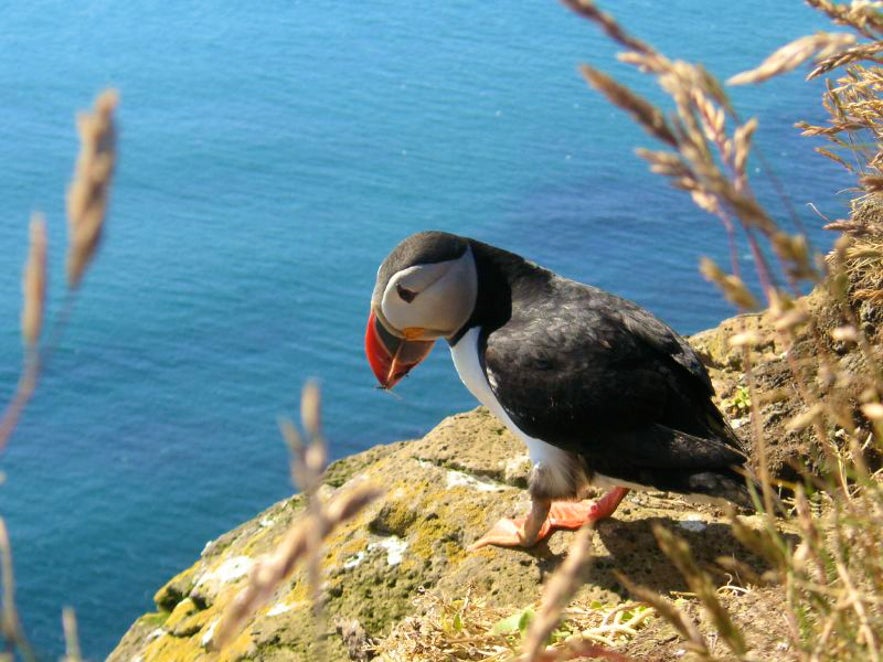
(547, 516)
(537, 525)
(521, 532)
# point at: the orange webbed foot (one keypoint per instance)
(567, 515)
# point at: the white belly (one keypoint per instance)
(558, 464)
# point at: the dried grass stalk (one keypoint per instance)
(34, 278)
(867, 52)
(678, 551)
(303, 543)
(87, 203)
(10, 626)
(742, 145)
(34, 283)
(731, 285)
(792, 55)
(861, 15)
(587, 9)
(558, 591)
(71, 637)
(87, 195)
(646, 114)
(872, 183)
(832, 580)
(310, 411)
(681, 622)
(269, 573)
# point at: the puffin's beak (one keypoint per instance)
(391, 358)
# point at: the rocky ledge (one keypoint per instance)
(407, 551)
(441, 493)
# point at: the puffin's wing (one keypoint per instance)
(644, 326)
(595, 374)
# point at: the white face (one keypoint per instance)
(430, 301)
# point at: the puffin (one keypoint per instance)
(602, 392)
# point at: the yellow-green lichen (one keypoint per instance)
(182, 610)
(175, 590)
(154, 619)
(187, 619)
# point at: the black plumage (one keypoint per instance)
(599, 376)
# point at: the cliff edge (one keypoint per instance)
(399, 583)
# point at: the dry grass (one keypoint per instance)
(87, 197)
(34, 284)
(303, 543)
(466, 628)
(10, 625)
(87, 203)
(557, 593)
(824, 48)
(71, 636)
(87, 210)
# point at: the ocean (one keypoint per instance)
(271, 154)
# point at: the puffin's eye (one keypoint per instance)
(405, 294)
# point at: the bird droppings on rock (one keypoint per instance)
(394, 548)
(206, 639)
(693, 522)
(231, 569)
(460, 479)
(354, 560)
(279, 608)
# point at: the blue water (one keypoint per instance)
(271, 154)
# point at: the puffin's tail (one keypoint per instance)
(735, 486)
(731, 487)
(663, 458)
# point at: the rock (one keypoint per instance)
(441, 493)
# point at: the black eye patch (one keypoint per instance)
(405, 294)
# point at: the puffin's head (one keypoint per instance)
(425, 290)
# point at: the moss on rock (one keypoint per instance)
(436, 502)
(441, 493)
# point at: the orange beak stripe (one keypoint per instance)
(391, 357)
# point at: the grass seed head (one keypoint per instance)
(790, 56)
(87, 196)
